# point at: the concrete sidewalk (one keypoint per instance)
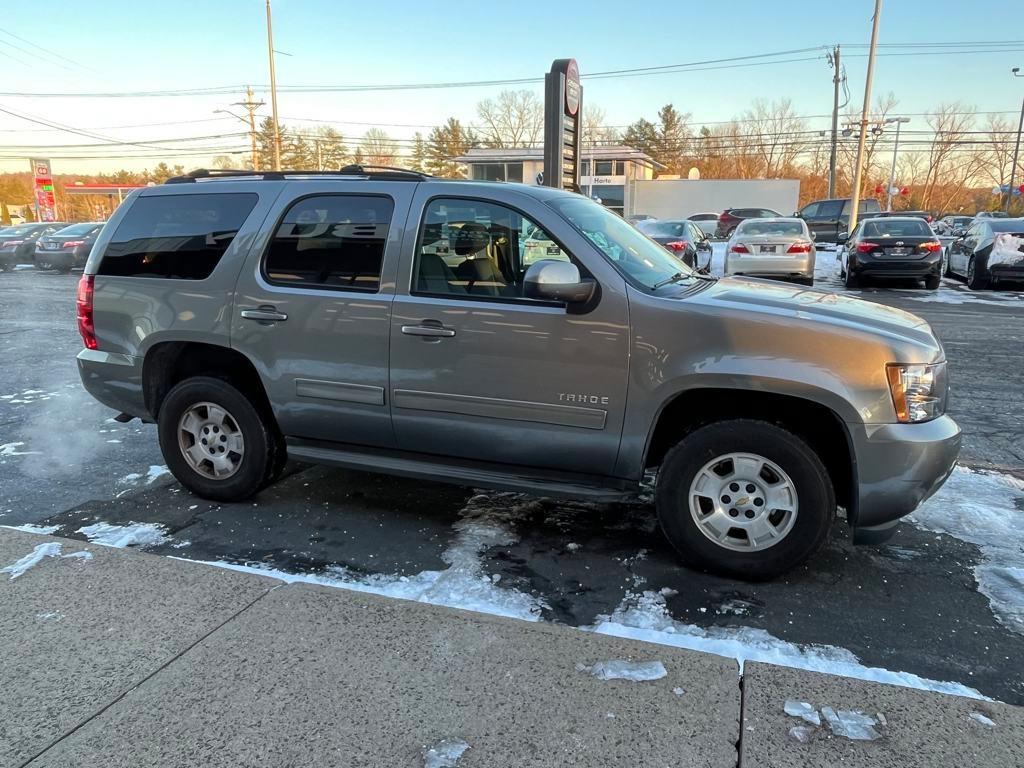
(128, 659)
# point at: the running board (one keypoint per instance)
(467, 472)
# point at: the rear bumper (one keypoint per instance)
(115, 380)
(800, 265)
(1008, 272)
(897, 267)
(899, 466)
(57, 259)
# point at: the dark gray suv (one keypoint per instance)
(397, 323)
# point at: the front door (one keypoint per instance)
(313, 309)
(480, 372)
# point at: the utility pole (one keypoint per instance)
(251, 107)
(858, 168)
(319, 155)
(836, 79)
(1016, 148)
(273, 91)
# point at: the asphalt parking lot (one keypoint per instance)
(911, 606)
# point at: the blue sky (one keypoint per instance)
(188, 44)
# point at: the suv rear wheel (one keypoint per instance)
(215, 441)
(744, 498)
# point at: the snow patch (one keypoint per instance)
(1007, 249)
(50, 549)
(55, 615)
(444, 754)
(11, 449)
(617, 669)
(120, 536)
(44, 530)
(643, 616)
(985, 509)
(155, 472)
(980, 718)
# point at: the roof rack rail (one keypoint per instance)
(384, 172)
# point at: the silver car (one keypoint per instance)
(781, 247)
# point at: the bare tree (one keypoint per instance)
(377, 148)
(998, 157)
(952, 163)
(513, 119)
(776, 135)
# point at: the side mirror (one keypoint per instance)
(842, 237)
(958, 233)
(551, 280)
(814, 235)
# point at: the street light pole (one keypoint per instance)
(855, 201)
(273, 91)
(1016, 148)
(892, 172)
(836, 79)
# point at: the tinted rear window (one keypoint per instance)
(664, 229)
(176, 236)
(896, 228)
(1007, 225)
(77, 229)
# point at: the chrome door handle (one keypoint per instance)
(427, 330)
(264, 314)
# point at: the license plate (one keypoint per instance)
(553, 250)
(50, 246)
(766, 249)
(897, 251)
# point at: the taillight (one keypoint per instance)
(932, 247)
(799, 248)
(85, 323)
(866, 247)
(739, 248)
(678, 245)
(723, 216)
(11, 243)
(72, 243)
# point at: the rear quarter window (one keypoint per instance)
(176, 236)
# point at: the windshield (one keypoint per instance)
(23, 230)
(663, 228)
(639, 258)
(755, 227)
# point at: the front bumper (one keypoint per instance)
(898, 466)
(896, 267)
(799, 265)
(115, 380)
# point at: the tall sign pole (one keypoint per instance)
(42, 189)
(563, 112)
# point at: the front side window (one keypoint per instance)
(473, 248)
(330, 241)
(830, 209)
(176, 236)
(636, 256)
(810, 211)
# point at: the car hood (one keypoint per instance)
(790, 303)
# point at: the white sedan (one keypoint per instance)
(708, 222)
(780, 247)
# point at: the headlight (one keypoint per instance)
(918, 391)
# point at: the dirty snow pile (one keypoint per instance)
(1007, 249)
(644, 616)
(37, 555)
(985, 509)
(486, 522)
(617, 669)
(120, 536)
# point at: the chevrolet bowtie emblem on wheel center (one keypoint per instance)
(744, 500)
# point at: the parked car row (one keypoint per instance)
(49, 245)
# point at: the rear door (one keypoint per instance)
(313, 307)
(478, 371)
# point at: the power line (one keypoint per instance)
(45, 52)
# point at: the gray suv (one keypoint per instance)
(396, 323)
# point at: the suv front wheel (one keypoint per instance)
(214, 440)
(744, 498)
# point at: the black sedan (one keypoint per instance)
(18, 243)
(68, 247)
(990, 252)
(683, 238)
(891, 247)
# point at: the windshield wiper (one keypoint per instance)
(672, 279)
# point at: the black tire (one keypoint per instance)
(946, 271)
(816, 504)
(975, 280)
(851, 280)
(808, 281)
(259, 458)
(932, 282)
(6, 266)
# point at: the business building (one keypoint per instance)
(606, 173)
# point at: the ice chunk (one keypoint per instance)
(980, 718)
(802, 733)
(851, 724)
(43, 530)
(803, 710)
(120, 536)
(50, 549)
(678, 691)
(83, 555)
(444, 754)
(617, 669)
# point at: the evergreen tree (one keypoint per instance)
(642, 135)
(445, 143)
(333, 152)
(418, 157)
(672, 145)
(265, 143)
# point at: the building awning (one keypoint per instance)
(516, 155)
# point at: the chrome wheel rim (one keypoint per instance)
(743, 502)
(211, 441)
(970, 271)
